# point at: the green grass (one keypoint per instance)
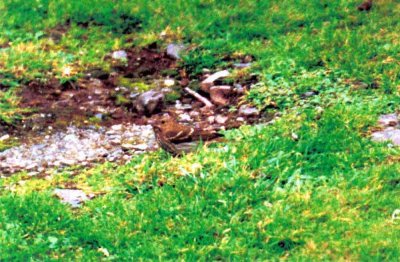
(328, 195)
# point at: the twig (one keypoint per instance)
(199, 97)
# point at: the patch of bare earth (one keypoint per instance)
(109, 99)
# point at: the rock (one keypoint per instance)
(127, 146)
(98, 73)
(73, 197)
(211, 119)
(389, 134)
(238, 89)
(388, 120)
(116, 127)
(174, 50)
(99, 116)
(68, 162)
(309, 94)
(242, 65)
(209, 81)
(149, 102)
(220, 119)
(5, 137)
(141, 147)
(246, 110)
(169, 82)
(119, 55)
(180, 106)
(185, 117)
(194, 114)
(220, 95)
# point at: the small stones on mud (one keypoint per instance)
(209, 81)
(174, 50)
(149, 102)
(73, 197)
(248, 111)
(78, 147)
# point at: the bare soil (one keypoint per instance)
(92, 100)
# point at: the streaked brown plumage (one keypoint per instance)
(172, 148)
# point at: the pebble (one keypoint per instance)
(169, 82)
(388, 120)
(148, 102)
(185, 117)
(175, 50)
(73, 197)
(119, 55)
(5, 137)
(246, 110)
(242, 65)
(389, 134)
(220, 119)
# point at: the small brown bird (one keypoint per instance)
(165, 140)
(365, 6)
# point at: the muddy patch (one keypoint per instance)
(107, 116)
(99, 97)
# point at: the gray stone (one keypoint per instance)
(220, 119)
(5, 137)
(119, 55)
(309, 94)
(185, 117)
(73, 197)
(141, 147)
(389, 134)
(388, 120)
(242, 65)
(99, 116)
(149, 102)
(175, 50)
(246, 110)
(238, 89)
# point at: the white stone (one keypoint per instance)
(5, 137)
(220, 119)
(209, 81)
(119, 55)
(169, 82)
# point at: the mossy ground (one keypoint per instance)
(310, 186)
